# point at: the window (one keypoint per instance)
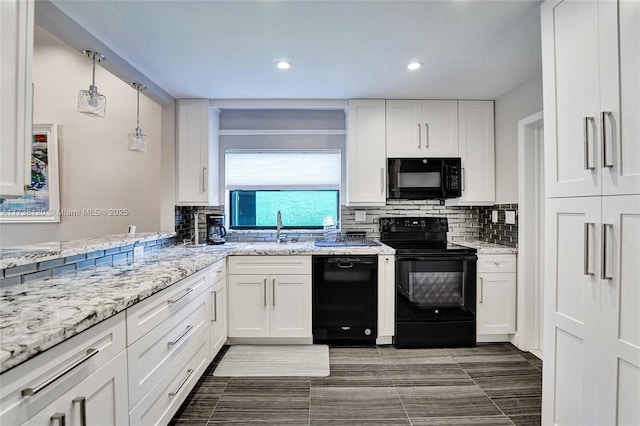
(303, 185)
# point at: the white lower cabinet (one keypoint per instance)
(496, 295)
(218, 303)
(270, 296)
(386, 299)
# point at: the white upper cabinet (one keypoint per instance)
(591, 63)
(366, 160)
(422, 128)
(197, 153)
(16, 44)
(477, 146)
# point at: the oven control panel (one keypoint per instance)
(413, 224)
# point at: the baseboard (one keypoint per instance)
(270, 340)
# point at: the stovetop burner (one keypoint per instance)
(418, 235)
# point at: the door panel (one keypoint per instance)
(248, 301)
(291, 306)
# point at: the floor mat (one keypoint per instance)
(274, 361)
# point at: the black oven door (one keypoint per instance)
(435, 288)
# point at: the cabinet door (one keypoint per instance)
(366, 154)
(619, 29)
(197, 153)
(103, 395)
(571, 98)
(477, 152)
(218, 317)
(619, 368)
(16, 44)
(249, 309)
(290, 305)
(439, 129)
(404, 128)
(572, 292)
(496, 305)
(386, 296)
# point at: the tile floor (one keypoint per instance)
(491, 384)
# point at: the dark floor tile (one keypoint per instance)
(389, 422)
(463, 421)
(528, 420)
(485, 353)
(506, 379)
(446, 401)
(261, 422)
(355, 375)
(393, 356)
(357, 355)
(519, 406)
(429, 375)
(183, 421)
(357, 403)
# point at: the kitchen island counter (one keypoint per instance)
(39, 314)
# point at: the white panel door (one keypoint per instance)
(572, 290)
(249, 309)
(496, 306)
(405, 129)
(440, 128)
(290, 300)
(386, 295)
(571, 98)
(218, 317)
(620, 95)
(619, 370)
(366, 153)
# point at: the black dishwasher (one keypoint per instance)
(345, 299)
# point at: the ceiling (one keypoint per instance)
(471, 49)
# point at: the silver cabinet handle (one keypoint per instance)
(426, 132)
(587, 225)
(273, 290)
(587, 165)
(215, 307)
(172, 301)
(419, 136)
(177, 339)
(186, 379)
(204, 179)
(28, 392)
(382, 180)
(481, 289)
(83, 409)
(604, 115)
(264, 287)
(604, 275)
(463, 179)
(58, 417)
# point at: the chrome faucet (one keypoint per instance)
(278, 227)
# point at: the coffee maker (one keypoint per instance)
(215, 229)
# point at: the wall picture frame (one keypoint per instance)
(41, 200)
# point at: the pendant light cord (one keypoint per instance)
(138, 109)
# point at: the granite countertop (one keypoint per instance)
(39, 314)
(484, 247)
(22, 255)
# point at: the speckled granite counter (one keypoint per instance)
(22, 255)
(488, 248)
(39, 314)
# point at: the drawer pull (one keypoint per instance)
(215, 307)
(58, 417)
(481, 290)
(172, 301)
(273, 291)
(83, 409)
(28, 392)
(184, 333)
(186, 379)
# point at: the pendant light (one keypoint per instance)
(137, 140)
(91, 102)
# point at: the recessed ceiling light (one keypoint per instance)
(414, 65)
(283, 65)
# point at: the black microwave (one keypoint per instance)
(424, 178)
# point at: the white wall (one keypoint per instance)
(515, 105)
(96, 169)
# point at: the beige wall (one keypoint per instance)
(519, 103)
(96, 169)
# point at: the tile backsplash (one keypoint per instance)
(465, 222)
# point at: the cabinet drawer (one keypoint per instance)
(219, 271)
(162, 402)
(155, 352)
(107, 337)
(496, 263)
(296, 265)
(144, 316)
